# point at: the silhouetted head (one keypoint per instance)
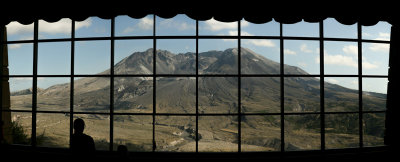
(79, 125)
(122, 150)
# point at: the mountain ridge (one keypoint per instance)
(210, 62)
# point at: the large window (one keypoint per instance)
(182, 85)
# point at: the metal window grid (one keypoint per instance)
(197, 37)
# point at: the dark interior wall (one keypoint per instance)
(391, 136)
(28, 153)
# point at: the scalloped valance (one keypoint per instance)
(257, 19)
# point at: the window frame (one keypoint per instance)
(359, 40)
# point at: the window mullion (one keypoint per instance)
(239, 93)
(34, 82)
(282, 89)
(322, 84)
(360, 101)
(112, 84)
(197, 86)
(71, 95)
(154, 80)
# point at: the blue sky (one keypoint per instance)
(92, 57)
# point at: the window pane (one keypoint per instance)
(127, 26)
(133, 56)
(260, 56)
(375, 60)
(218, 56)
(260, 133)
(334, 29)
(175, 133)
(340, 58)
(93, 27)
(133, 94)
(177, 56)
(214, 27)
(20, 93)
(302, 132)
(302, 56)
(135, 132)
(20, 59)
(17, 31)
(92, 94)
(17, 127)
(98, 127)
(92, 57)
(178, 25)
(218, 134)
(267, 29)
(379, 31)
(260, 95)
(302, 29)
(218, 94)
(341, 94)
(374, 94)
(176, 95)
(302, 94)
(55, 30)
(52, 130)
(373, 129)
(341, 131)
(53, 94)
(54, 58)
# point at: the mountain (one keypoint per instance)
(216, 94)
(25, 92)
(220, 94)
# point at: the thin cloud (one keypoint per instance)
(289, 52)
(17, 28)
(244, 33)
(304, 48)
(364, 34)
(342, 60)
(255, 42)
(382, 36)
(350, 49)
(26, 79)
(354, 82)
(385, 35)
(367, 65)
(378, 47)
(87, 23)
(144, 24)
(339, 60)
(14, 46)
(317, 60)
(333, 81)
(263, 43)
(128, 30)
(63, 26)
(179, 25)
(214, 25)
